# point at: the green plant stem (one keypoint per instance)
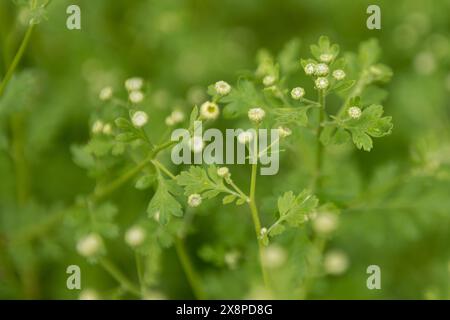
(17, 58)
(317, 182)
(119, 276)
(191, 274)
(102, 192)
(256, 220)
(163, 168)
(139, 272)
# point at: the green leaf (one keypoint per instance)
(228, 199)
(293, 210)
(288, 57)
(145, 181)
(298, 116)
(126, 137)
(201, 181)
(241, 99)
(342, 86)
(369, 52)
(164, 203)
(362, 140)
(193, 117)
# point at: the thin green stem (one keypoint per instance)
(119, 276)
(102, 192)
(255, 217)
(139, 272)
(17, 58)
(317, 182)
(191, 274)
(163, 168)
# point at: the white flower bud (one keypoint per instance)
(326, 57)
(175, 117)
(194, 200)
(136, 97)
(105, 94)
(223, 172)
(89, 294)
(354, 112)
(90, 245)
(274, 256)
(196, 144)
(231, 259)
(107, 129)
(97, 127)
(338, 74)
(256, 115)
(325, 223)
(222, 88)
(321, 83)
(135, 236)
(263, 232)
(209, 110)
(269, 80)
(245, 137)
(139, 119)
(297, 93)
(284, 132)
(310, 68)
(335, 262)
(321, 69)
(134, 84)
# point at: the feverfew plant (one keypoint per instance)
(266, 101)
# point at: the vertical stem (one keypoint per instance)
(139, 272)
(16, 59)
(191, 274)
(317, 182)
(255, 214)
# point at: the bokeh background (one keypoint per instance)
(180, 47)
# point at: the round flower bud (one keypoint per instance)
(135, 236)
(274, 256)
(105, 94)
(139, 119)
(89, 245)
(263, 232)
(321, 83)
(338, 74)
(269, 80)
(222, 88)
(223, 172)
(335, 262)
(209, 110)
(310, 68)
(107, 129)
(134, 84)
(326, 57)
(245, 137)
(88, 294)
(231, 259)
(325, 223)
(97, 127)
(284, 132)
(136, 97)
(354, 112)
(194, 200)
(196, 144)
(297, 93)
(175, 117)
(256, 115)
(321, 69)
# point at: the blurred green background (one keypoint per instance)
(180, 47)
